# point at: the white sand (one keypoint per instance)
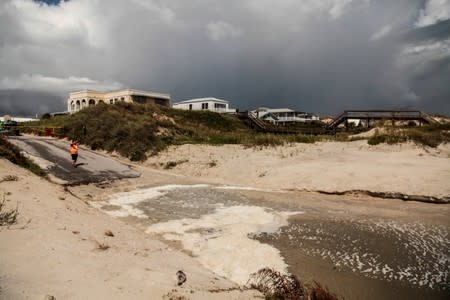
(327, 166)
(53, 250)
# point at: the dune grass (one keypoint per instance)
(429, 135)
(137, 131)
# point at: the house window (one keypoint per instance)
(190, 106)
(219, 105)
(115, 100)
(204, 105)
(122, 99)
(111, 101)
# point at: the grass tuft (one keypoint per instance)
(7, 217)
(109, 233)
(431, 136)
(9, 178)
(102, 246)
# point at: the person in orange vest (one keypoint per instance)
(74, 152)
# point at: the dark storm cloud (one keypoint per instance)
(438, 31)
(319, 56)
(29, 103)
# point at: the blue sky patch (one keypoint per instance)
(49, 2)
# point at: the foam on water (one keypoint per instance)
(422, 251)
(219, 237)
(125, 203)
(220, 241)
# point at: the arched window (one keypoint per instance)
(101, 101)
(91, 102)
(83, 103)
(72, 106)
(77, 105)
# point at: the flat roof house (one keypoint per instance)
(209, 103)
(283, 115)
(81, 99)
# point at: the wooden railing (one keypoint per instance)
(394, 115)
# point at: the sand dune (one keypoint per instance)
(326, 166)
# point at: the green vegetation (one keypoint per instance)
(12, 153)
(136, 131)
(431, 135)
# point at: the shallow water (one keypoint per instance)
(404, 261)
(357, 258)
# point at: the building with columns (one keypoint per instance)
(81, 99)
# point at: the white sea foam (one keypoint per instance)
(126, 202)
(220, 240)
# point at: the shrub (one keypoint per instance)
(275, 285)
(7, 217)
(426, 138)
(431, 136)
(170, 164)
(377, 139)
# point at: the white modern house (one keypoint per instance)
(17, 119)
(283, 116)
(209, 103)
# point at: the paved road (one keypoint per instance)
(53, 154)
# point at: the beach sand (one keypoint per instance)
(324, 166)
(54, 248)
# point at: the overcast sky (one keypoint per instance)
(322, 56)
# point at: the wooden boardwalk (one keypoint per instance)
(366, 115)
(370, 115)
(267, 127)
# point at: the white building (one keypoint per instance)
(211, 104)
(283, 115)
(81, 99)
(17, 119)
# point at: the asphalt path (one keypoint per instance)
(53, 155)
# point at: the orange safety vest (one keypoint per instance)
(73, 149)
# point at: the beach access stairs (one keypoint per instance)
(263, 126)
(371, 115)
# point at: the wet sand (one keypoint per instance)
(359, 247)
